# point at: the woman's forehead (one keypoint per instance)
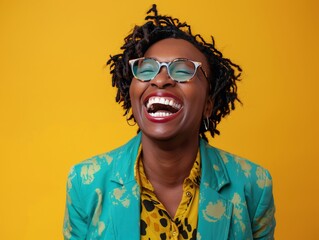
(171, 48)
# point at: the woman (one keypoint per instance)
(167, 182)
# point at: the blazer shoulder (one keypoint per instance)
(102, 166)
(244, 169)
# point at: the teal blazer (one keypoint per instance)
(103, 197)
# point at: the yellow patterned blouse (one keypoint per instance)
(155, 220)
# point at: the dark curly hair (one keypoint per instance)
(222, 80)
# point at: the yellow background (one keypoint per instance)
(57, 105)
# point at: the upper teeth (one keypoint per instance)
(164, 101)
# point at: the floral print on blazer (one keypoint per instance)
(103, 200)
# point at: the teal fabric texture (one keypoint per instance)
(103, 197)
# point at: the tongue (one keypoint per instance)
(161, 107)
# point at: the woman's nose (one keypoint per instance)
(162, 79)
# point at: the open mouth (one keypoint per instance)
(162, 106)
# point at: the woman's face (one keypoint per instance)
(165, 109)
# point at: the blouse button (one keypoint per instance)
(188, 194)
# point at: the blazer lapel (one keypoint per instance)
(125, 212)
(125, 194)
(214, 215)
(214, 211)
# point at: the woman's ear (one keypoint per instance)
(208, 107)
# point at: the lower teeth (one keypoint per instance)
(160, 114)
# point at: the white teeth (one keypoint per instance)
(164, 101)
(160, 114)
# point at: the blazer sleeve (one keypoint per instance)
(264, 220)
(75, 219)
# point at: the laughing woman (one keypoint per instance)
(168, 182)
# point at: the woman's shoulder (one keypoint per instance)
(99, 167)
(233, 160)
(241, 169)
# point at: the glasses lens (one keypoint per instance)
(145, 69)
(182, 70)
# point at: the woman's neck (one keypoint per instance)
(168, 163)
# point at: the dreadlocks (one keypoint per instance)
(222, 80)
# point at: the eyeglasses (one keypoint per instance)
(180, 69)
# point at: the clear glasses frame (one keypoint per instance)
(167, 65)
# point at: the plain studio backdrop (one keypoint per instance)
(57, 104)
